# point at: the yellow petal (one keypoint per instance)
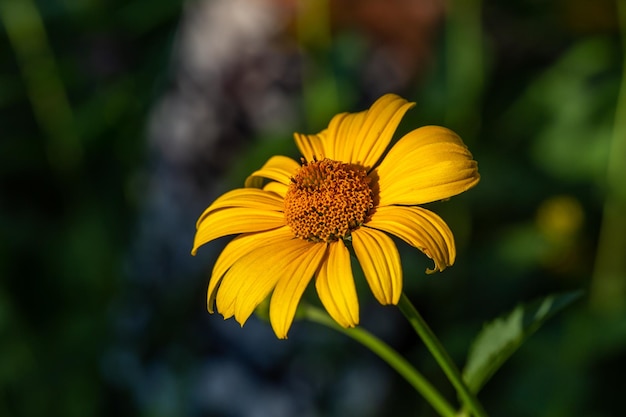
(359, 138)
(342, 131)
(276, 188)
(236, 250)
(296, 272)
(292, 266)
(235, 220)
(428, 164)
(278, 168)
(244, 197)
(378, 128)
(380, 261)
(311, 146)
(335, 286)
(420, 228)
(251, 278)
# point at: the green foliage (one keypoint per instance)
(571, 105)
(500, 338)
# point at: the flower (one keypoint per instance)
(296, 221)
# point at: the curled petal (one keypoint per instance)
(277, 168)
(420, 228)
(428, 164)
(380, 261)
(335, 286)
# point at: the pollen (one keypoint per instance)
(328, 199)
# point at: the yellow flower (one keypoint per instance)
(299, 221)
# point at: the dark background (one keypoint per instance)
(120, 121)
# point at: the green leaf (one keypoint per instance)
(499, 339)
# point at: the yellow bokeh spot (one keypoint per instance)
(559, 218)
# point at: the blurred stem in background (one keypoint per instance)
(464, 61)
(46, 92)
(319, 85)
(608, 286)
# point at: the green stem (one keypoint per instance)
(386, 353)
(441, 356)
(608, 286)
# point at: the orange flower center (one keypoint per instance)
(327, 199)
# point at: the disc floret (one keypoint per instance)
(328, 199)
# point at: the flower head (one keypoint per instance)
(299, 221)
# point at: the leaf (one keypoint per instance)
(499, 339)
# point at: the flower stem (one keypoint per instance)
(441, 356)
(386, 353)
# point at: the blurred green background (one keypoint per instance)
(121, 120)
